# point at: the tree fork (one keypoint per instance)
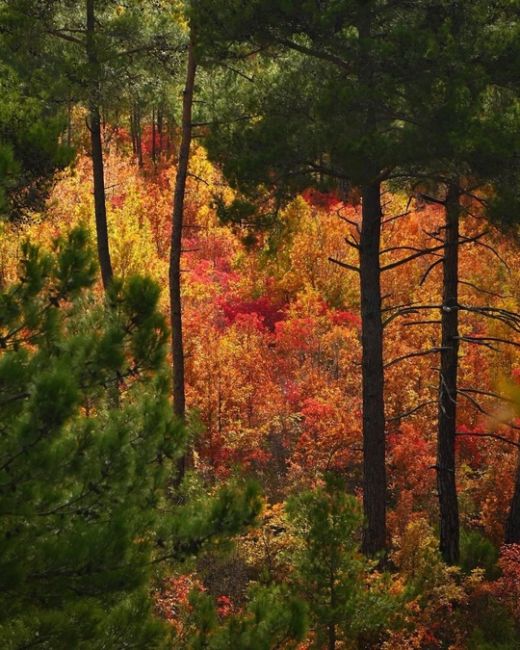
(447, 412)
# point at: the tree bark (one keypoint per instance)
(138, 134)
(331, 640)
(69, 123)
(154, 154)
(97, 151)
(374, 468)
(179, 398)
(447, 414)
(132, 131)
(160, 128)
(512, 533)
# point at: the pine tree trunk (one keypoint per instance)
(447, 417)
(331, 645)
(154, 155)
(132, 132)
(179, 399)
(138, 135)
(160, 128)
(69, 123)
(374, 478)
(97, 153)
(512, 534)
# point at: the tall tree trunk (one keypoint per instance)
(154, 153)
(138, 134)
(374, 476)
(331, 640)
(97, 151)
(512, 534)
(160, 128)
(69, 123)
(179, 399)
(132, 131)
(447, 415)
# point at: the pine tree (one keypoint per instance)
(30, 148)
(469, 124)
(330, 574)
(86, 52)
(328, 108)
(87, 451)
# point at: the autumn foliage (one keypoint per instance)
(272, 344)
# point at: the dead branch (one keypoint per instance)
(481, 289)
(344, 265)
(484, 339)
(423, 322)
(487, 393)
(406, 414)
(405, 260)
(429, 270)
(411, 355)
(494, 436)
(407, 310)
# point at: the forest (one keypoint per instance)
(260, 324)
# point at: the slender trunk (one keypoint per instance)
(138, 135)
(160, 128)
(97, 152)
(374, 477)
(179, 399)
(153, 136)
(512, 534)
(331, 628)
(447, 417)
(69, 123)
(132, 131)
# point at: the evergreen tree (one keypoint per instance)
(360, 94)
(329, 110)
(85, 52)
(469, 124)
(85, 513)
(272, 618)
(30, 147)
(331, 575)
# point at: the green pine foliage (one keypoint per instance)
(347, 600)
(31, 151)
(273, 618)
(80, 480)
(86, 449)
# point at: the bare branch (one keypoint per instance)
(395, 217)
(486, 393)
(426, 251)
(317, 54)
(344, 265)
(407, 310)
(509, 318)
(429, 270)
(482, 410)
(432, 199)
(495, 253)
(401, 416)
(478, 340)
(481, 289)
(494, 436)
(422, 322)
(411, 355)
(353, 243)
